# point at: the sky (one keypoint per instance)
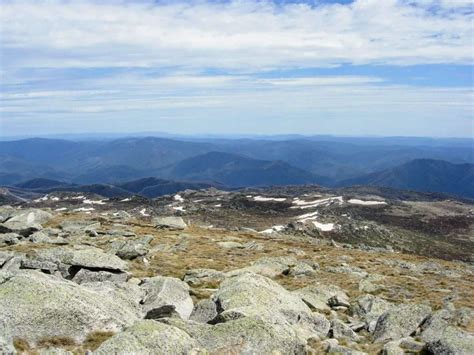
(363, 67)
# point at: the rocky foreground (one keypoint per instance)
(81, 273)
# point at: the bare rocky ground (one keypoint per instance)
(287, 270)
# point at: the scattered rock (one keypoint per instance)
(30, 218)
(400, 321)
(340, 330)
(34, 305)
(147, 337)
(196, 277)
(317, 295)
(204, 311)
(243, 336)
(165, 291)
(172, 223)
(369, 308)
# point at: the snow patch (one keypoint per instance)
(83, 209)
(61, 209)
(143, 213)
(92, 202)
(310, 204)
(307, 216)
(324, 227)
(78, 197)
(178, 197)
(218, 205)
(356, 201)
(266, 199)
(273, 229)
(179, 208)
(126, 200)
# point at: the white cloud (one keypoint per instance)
(239, 35)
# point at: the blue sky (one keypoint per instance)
(365, 67)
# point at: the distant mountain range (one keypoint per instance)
(232, 163)
(423, 175)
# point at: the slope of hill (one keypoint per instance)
(237, 170)
(423, 175)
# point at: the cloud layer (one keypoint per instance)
(192, 66)
(241, 35)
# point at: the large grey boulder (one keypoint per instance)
(9, 239)
(436, 324)
(34, 305)
(369, 308)
(30, 218)
(172, 223)
(340, 330)
(256, 296)
(204, 311)
(453, 341)
(131, 249)
(400, 321)
(317, 295)
(79, 226)
(89, 258)
(243, 336)
(167, 291)
(87, 276)
(149, 337)
(6, 343)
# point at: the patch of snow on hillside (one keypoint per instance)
(218, 205)
(125, 200)
(83, 209)
(44, 198)
(78, 197)
(92, 202)
(356, 201)
(267, 199)
(179, 208)
(178, 197)
(324, 227)
(274, 229)
(143, 213)
(307, 216)
(61, 209)
(315, 203)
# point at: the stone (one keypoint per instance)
(230, 245)
(162, 291)
(340, 330)
(339, 300)
(253, 295)
(4, 257)
(204, 311)
(6, 344)
(302, 269)
(269, 267)
(79, 226)
(400, 321)
(132, 249)
(318, 294)
(149, 337)
(172, 223)
(369, 308)
(85, 276)
(30, 218)
(9, 239)
(43, 237)
(196, 277)
(243, 336)
(34, 305)
(452, 341)
(89, 258)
